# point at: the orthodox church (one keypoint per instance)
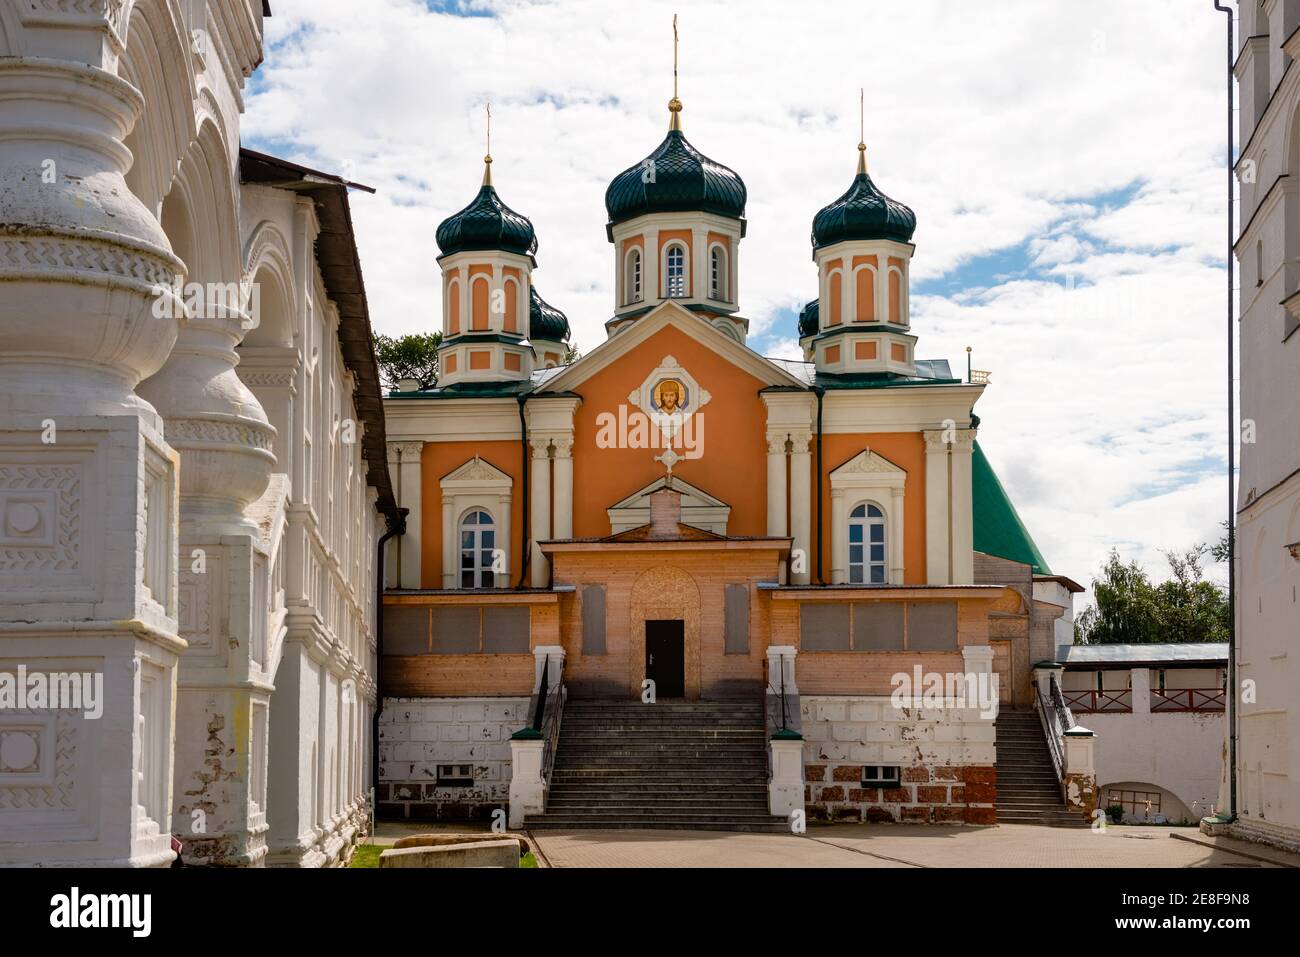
(674, 521)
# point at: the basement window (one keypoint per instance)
(455, 775)
(881, 776)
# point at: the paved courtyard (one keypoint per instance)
(900, 845)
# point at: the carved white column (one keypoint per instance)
(87, 481)
(839, 537)
(801, 504)
(776, 491)
(650, 263)
(848, 294)
(937, 510)
(393, 547)
(450, 544)
(540, 507)
(963, 535)
(896, 538)
(412, 493)
(563, 493)
(699, 265)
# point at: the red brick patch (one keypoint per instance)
(981, 793)
(981, 815)
(931, 795)
(948, 773)
(835, 793)
(916, 775)
(864, 795)
(816, 811)
(916, 814)
(950, 815)
(981, 775)
(877, 815)
(897, 796)
(958, 795)
(846, 772)
(814, 772)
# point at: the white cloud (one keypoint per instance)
(1006, 126)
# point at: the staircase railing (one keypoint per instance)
(781, 695)
(546, 719)
(1057, 720)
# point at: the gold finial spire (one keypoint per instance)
(675, 105)
(862, 131)
(487, 159)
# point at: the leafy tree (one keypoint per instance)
(1129, 608)
(412, 356)
(571, 354)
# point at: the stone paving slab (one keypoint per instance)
(895, 845)
(1250, 849)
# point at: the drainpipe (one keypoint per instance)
(1232, 461)
(523, 525)
(396, 522)
(819, 392)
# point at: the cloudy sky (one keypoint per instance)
(1065, 162)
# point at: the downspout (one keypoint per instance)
(523, 525)
(1232, 460)
(396, 521)
(819, 392)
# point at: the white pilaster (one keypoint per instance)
(412, 493)
(938, 517)
(563, 492)
(801, 506)
(963, 534)
(839, 530)
(539, 507)
(650, 265)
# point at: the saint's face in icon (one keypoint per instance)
(669, 396)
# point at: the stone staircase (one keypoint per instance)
(699, 765)
(1028, 789)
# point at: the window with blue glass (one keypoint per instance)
(867, 563)
(477, 544)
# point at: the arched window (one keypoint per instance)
(477, 543)
(676, 271)
(634, 276)
(867, 563)
(718, 274)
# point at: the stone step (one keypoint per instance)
(772, 825)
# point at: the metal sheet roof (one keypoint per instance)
(1173, 653)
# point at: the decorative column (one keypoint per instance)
(776, 491)
(896, 538)
(938, 511)
(88, 485)
(700, 265)
(839, 533)
(963, 535)
(540, 507)
(1080, 781)
(801, 506)
(650, 267)
(412, 492)
(563, 492)
(393, 548)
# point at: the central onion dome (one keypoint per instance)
(864, 212)
(675, 178)
(544, 320)
(487, 223)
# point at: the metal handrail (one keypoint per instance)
(1188, 699)
(780, 693)
(546, 720)
(1056, 720)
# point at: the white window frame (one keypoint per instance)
(869, 565)
(474, 486)
(635, 275)
(718, 278)
(677, 245)
(483, 576)
(867, 478)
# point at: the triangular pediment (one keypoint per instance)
(692, 497)
(476, 472)
(867, 462)
(669, 314)
(700, 510)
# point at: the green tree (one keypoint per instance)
(571, 354)
(1129, 608)
(413, 356)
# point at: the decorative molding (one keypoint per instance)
(22, 256)
(40, 518)
(183, 432)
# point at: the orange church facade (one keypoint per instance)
(673, 516)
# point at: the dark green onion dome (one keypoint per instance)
(487, 223)
(864, 212)
(809, 318)
(544, 320)
(684, 180)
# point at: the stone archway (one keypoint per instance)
(664, 591)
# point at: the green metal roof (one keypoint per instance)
(545, 321)
(487, 223)
(998, 528)
(863, 212)
(676, 177)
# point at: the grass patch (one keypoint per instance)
(366, 855)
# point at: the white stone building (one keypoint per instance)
(193, 483)
(1268, 499)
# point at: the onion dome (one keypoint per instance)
(863, 213)
(544, 320)
(675, 178)
(487, 223)
(809, 318)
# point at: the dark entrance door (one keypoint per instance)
(665, 657)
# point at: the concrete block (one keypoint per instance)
(497, 853)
